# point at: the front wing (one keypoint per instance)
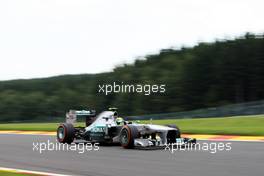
(157, 144)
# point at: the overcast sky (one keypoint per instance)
(41, 38)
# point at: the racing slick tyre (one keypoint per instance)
(178, 133)
(65, 133)
(127, 136)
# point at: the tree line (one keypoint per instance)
(206, 75)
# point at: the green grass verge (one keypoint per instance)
(6, 173)
(238, 125)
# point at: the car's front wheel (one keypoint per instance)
(127, 136)
(65, 133)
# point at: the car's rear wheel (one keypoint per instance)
(178, 131)
(127, 136)
(65, 133)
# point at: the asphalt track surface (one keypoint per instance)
(244, 159)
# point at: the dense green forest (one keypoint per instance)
(206, 75)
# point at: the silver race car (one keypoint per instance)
(108, 128)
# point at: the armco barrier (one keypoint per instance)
(250, 108)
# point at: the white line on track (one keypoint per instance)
(12, 170)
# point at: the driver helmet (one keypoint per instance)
(119, 120)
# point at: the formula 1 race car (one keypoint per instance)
(108, 128)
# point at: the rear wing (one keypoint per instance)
(72, 115)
